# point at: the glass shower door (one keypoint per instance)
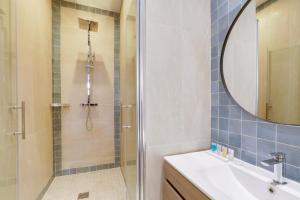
(8, 113)
(131, 135)
(128, 99)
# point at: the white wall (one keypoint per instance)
(177, 78)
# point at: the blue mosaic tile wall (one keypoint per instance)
(251, 138)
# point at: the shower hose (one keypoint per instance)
(88, 121)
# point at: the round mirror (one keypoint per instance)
(260, 61)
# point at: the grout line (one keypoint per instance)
(293, 166)
(289, 145)
(256, 128)
(266, 140)
(250, 152)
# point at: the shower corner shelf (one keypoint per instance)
(60, 105)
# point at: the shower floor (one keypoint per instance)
(102, 185)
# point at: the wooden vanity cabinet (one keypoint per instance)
(177, 187)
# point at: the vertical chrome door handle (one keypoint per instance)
(127, 107)
(23, 110)
(23, 120)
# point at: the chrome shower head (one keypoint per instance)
(88, 25)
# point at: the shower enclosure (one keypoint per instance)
(70, 105)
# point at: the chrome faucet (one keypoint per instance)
(278, 161)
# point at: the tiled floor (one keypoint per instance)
(102, 185)
(131, 182)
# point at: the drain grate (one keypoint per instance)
(83, 195)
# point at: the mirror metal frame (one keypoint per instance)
(222, 66)
(223, 52)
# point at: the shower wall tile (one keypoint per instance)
(247, 116)
(249, 128)
(221, 86)
(223, 124)
(215, 99)
(223, 23)
(248, 157)
(56, 90)
(235, 140)
(58, 143)
(234, 126)
(293, 172)
(214, 87)
(235, 112)
(117, 102)
(257, 138)
(214, 51)
(224, 99)
(288, 135)
(223, 111)
(249, 144)
(214, 75)
(233, 4)
(214, 123)
(266, 131)
(233, 13)
(223, 137)
(215, 63)
(292, 154)
(264, 147)
(214, 134)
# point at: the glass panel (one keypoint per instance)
(8, 142)
(131, 172)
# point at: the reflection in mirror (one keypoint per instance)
(260, 62)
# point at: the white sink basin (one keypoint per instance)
(221, 179)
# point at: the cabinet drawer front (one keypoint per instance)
(185, 188)
(169, 193)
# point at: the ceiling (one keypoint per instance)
(112, 5)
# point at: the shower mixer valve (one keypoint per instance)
(91, 59)
(89, 104)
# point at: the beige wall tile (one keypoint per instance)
(154, 162)
(80, 147)
(177, 81)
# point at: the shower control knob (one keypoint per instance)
(89, 104)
